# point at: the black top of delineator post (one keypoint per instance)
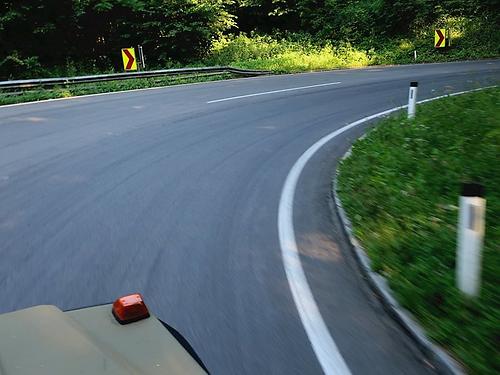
(414, 84)
(471, 189)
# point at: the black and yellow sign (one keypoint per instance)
(440, 37)
(129, 60)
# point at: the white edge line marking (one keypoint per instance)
(324, 346)
(272, 92)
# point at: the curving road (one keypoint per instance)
(174, 192)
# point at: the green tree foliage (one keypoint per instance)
(181, 29)
(53, 33)
(267, 16)
(32, 27)
(341, 19)
(357, 20)
(87, 35)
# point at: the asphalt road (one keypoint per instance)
(160, 192)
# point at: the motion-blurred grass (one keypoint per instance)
(401, 186)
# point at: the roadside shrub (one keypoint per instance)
(14, 66)
(468, 42)
(285, 55)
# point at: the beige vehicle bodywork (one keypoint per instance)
(44, 340)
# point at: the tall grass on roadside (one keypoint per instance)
(302, 52)
(400, 188)
(285, 56)
(467, 43)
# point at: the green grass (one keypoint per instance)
(299, 52)
(102, 87)
(284, 55)
(400, 187)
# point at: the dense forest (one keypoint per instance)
(47, 37)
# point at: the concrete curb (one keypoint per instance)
(441, 360)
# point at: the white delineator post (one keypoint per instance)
(412, 99)
(470, 234)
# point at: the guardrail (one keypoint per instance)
(51, 82)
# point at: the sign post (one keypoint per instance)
(142, 61)
(470, 233)
(129, 60)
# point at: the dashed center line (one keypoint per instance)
(272, 92)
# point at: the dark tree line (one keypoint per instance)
(55, 32)
(356, 20)
(36, 34)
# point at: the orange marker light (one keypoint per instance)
(130, 309)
